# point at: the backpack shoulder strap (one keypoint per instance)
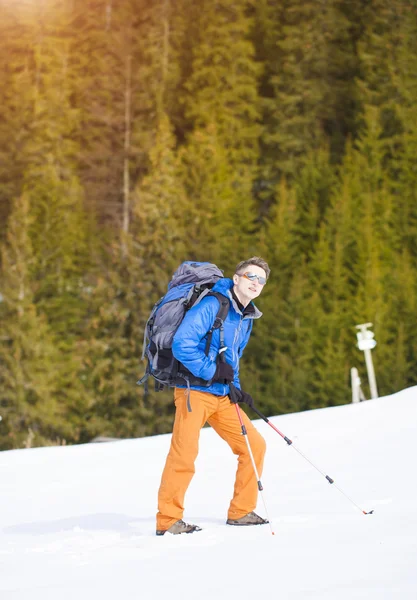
(220, 317)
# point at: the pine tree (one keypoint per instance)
(404, 146)
(120, 303)
(313, 187)
(29, 357)
(373, 253)
(379, 61)
(60, 227)
(220, 156)
(120, 56)
(161, 212)
(330, 328)
(269, 352)
(16, 42)
(310, 65)
(134, 275)
(61, 232)
(222, 88)
(222, 224)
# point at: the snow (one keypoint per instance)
(78, 522)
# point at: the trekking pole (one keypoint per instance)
(245, 434)
(289, 442)
(233, 398)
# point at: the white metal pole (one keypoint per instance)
(355, 382)
(371, 373)
(366, 343)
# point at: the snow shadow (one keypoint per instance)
(97, 522)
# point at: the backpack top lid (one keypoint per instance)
(195, 272)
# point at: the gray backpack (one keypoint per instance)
(191, 282)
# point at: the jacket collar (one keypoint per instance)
(225, 286)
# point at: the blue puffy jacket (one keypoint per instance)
(190, 342)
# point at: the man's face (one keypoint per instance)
(247, 286)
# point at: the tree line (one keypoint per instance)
(135, 135)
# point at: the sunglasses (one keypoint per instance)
(253, 277)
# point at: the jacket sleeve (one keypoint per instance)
(186, 344)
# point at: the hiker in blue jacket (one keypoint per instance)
(211, 403)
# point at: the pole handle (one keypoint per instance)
(233, 394)
(258, 412)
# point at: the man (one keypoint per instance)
(211, 403)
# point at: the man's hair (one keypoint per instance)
(255, 260)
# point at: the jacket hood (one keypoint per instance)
(224, 286)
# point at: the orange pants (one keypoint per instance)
(179, 467)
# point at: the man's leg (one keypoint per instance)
(226, 423)
(179, 467)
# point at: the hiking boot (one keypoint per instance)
(179, 527)
(249, 519)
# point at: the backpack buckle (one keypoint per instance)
(218, 322)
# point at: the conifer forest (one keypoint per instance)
(135, 134)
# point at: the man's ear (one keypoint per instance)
(235, 279)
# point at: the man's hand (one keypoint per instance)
(244, 397)
(224, 373)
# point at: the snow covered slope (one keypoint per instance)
(77, 523)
